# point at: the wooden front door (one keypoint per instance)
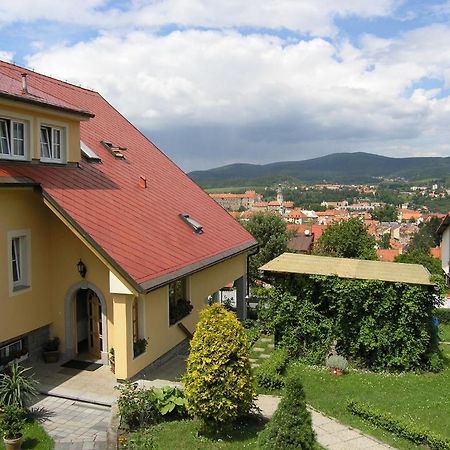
(95, 337)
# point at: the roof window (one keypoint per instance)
(88, 153)
(115, 150)
(192, 223)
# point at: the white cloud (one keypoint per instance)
(306, 16)
(6, 56)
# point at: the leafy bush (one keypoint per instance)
(400, 427)
(218, 380)
(290, 426)
(170, 401)
(336, 362)
(137, 407)
(386, 326)
(17, 386)
(269, 374)
(12, 421)
(252, 331)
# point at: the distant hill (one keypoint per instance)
(335, 168)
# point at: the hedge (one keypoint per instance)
(400, 427)
(269, 374)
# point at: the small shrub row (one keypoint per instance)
(398, 426)
(443, 314)
(269, 374)
(143, 407)
(252, 331)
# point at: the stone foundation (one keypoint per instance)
(35, 340)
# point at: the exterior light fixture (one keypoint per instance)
(82, 269)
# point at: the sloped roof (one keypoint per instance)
(349, 268)
(139, 230)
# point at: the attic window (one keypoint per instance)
(114, 149)
(192, 223)
(88, 153)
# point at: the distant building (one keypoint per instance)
(234, 202)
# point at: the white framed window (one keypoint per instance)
(19, 260)
(13, 138)
(52, 143)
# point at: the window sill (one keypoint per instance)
(21, 287)
(51, 161)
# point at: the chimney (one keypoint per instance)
(24, 84)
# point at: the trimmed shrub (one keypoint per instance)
(290, 426)
(269, 374)
(400, 427)
(218, 380)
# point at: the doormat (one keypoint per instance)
(81, 365)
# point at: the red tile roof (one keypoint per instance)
(387, 254)
(138, 229)
(435, 252)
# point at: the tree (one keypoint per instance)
(426, 237)
(218, 381)
(270, 231)
(291, 426)
(385, 241)
(347, 239)
(387, 213)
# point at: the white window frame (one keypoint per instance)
(23, 283)
(52, 131)
(9, 122)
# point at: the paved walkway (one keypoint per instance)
(72, 424)
(330, 433)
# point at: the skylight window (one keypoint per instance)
(116, 150)
(88, 153)
(192, 223)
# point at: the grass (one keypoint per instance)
(184, 435)
(422, 398)
(34, 437)
(444, 332)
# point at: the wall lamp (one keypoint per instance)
(82, 269)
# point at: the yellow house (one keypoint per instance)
(104, 242)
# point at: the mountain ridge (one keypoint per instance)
(358, 167)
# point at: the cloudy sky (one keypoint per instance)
(213, 82)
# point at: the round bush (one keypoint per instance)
(218, 380)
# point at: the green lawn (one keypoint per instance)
(183, 435)
(423, 398)
(444, 332)
(34, 438)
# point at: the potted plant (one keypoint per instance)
(112, 360)
(337, 364)
(139, 346)
(12, 422)
(51, 350)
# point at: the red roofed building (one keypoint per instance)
(107, 243)
(234, 202)
(387, 254)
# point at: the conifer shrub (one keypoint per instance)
(290, 426)
(218, 380)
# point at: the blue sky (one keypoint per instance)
(213, 83)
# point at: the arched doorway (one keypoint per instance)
(86, 323)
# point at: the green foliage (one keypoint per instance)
(137, 407)
(12, 421)
(17, 386)
(297, 323)
(139, 440)
(270, 373)
(252, 330)
(52, 345)
(401, 427)
(290, 426)
(170, 401)
(139, 347)
(427, 236)
(347, 239)
(385, 326)
(385, 241)
(270, 231)
(336, 362)
(386, 213)
(218, 380)
(443, 314)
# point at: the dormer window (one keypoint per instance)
(52, 144)
(12, 139)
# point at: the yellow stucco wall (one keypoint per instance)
(162, 337)
(35, 116)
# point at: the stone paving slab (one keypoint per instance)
(74, 425)
(330, 433)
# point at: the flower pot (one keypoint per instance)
(51, 356)
(13, 444)
(336, 372)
